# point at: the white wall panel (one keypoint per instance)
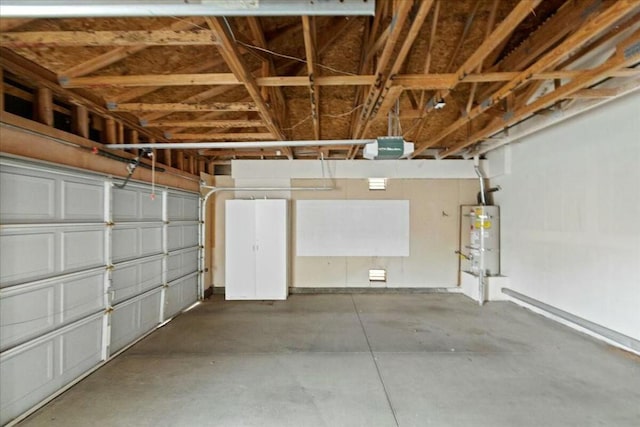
(570, 208)
(32, 372)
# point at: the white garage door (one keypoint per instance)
(86, 269)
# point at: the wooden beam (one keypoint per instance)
(590, 30)
(207, 123)
(194, 99)
(231, 55)
(111, 57)
(491, 22)
(109, 135)
(133, 93)
(568, 17)
(595, 93)
(381, 75)
(80, 121)
(627, 53)
(106, 38)
(408, 81)
(26, 138)
(275, 95)
(174, 107)
(308, 30)
(240, 136)
(30, 73)
(432, 37)
(44, 106)
(463, 35)
(504, 29)
(8, 24)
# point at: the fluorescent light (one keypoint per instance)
(440, 104)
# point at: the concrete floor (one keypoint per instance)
(361, 360)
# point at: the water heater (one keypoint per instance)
(484, 239)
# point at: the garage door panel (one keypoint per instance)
(130, 242)
(180, 295)
(134, 203)
(26, 198)
(82, 249)
(182, 263)
(182, 207)
(28, 311)
(82, 201)
(27, 255)
(180, 236)
(132, 279)
(34, 371)
(132, 319)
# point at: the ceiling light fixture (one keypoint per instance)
(439, 104)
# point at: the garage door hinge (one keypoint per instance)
(166, 223)
(111, 267)
(110, 223)
(108, 310)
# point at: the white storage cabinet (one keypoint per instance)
(256, 252)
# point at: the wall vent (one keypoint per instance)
(377, 183)
(377, 275)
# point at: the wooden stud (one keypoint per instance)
(80, 121)
(180, 160)
(308, 30)
(110, 133)
(44, 106)
(229, 51)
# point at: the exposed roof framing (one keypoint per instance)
(253, 78)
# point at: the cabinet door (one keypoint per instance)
(240, 252)
(271, 254)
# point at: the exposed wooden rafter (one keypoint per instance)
(591, 29)
(623, 57)
(106, 38)
(503, 30)
(309, 32)
(230, 53)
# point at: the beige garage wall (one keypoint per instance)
(434, 227)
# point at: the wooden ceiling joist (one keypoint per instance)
(175, 107)
(207, 123)
(106, 38)
(408, 81)
(239, 136)
(381, 74)
(497, 36)
(119, 53)
(627, 53)
(229, 51)
(309, 32)
(590, 30)
(35, 74)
